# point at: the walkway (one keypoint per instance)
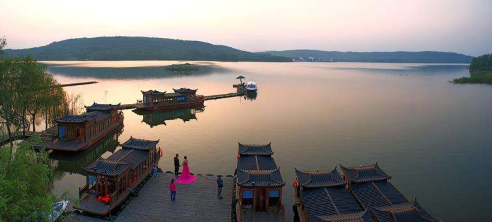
(194, 202)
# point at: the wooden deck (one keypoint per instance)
(223, 96)
(194, 202)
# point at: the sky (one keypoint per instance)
(463, 26)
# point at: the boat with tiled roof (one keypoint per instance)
(181, 98)
(111, 181)
(371, 188)
(259, 184)
(79, 132)
(320, 195)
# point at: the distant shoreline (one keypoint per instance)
(162, 49)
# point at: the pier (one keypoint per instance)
(194, 202)
(223, 96)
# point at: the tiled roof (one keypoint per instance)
(256, 163)
(107, 167)
(102, 107)
(319, 178)
(140, 144)
(259, 178)
(118, 162)
(95, 115)
(153, 92)
(377, 194)
(329, 204)
(364, 174)
(252, 149)
(404, 212)
(362, 216)
(185, 90)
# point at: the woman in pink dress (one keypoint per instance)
(186, 177)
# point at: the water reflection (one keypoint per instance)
(412, 69)
(156, 118)
(251, 96)
(130, 72)
(75, 162)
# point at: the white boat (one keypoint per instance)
(251, 87)
(57, 210)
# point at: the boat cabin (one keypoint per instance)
(110, 181)
(78, 132)
(320, 195)
(181, 98)
(258, 183)
(370, 187)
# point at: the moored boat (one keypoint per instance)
(79, 132)
(109, 182)
(258, 185)
(251, 87)
(181, 98)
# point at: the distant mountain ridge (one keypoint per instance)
(389, 57)
(139, 48)
(146, 48)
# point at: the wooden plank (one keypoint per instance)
(194, 202)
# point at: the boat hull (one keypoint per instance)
(152, 107)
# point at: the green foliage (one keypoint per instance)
(481, 64)
(475, 79)
(480, 71)
(27, 89)
(139, 48)
(24, 183)
(3, 43)
(394, 57)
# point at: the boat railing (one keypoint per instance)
(83, 190)
(113, 197)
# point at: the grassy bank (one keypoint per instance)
(479, 77)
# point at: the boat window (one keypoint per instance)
(61, 132)
(274, 197)
(247, 198)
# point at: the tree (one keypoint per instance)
(10, 103)
(3, 43)
(25, 184)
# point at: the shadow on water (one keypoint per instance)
(251, 96)
(156, 118)
(75, 162)
(154, 72)
(417, 69)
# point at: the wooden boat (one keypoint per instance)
(258, 185)
(181, 98)
(79, 132)
(320, 195)
(109, 182)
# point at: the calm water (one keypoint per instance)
(432, 136)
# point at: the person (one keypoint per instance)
(172, 188)
(220, 184)
(186, 177)
(154, 170)
(176, 164)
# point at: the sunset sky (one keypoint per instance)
(463, 26)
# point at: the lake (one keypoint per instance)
(432, 136)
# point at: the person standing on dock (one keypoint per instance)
(220, 184)
(172, 189)
(176, 164)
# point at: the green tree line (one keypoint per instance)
(480, 71)
(27, 93)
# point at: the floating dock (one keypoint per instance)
(194, 202)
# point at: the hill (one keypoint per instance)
(390, 57)
(139, 48)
